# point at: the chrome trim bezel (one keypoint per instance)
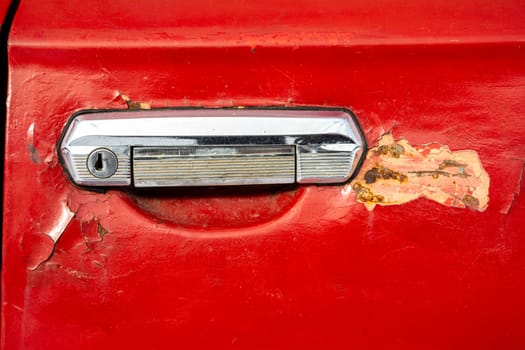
(315, 130)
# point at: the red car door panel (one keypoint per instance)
(268, 267)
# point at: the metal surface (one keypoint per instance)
(301, 267)
(101, 163)
(213, 166)
(203, 147)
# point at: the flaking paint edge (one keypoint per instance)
(396, 172)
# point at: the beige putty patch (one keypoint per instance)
(396, 172)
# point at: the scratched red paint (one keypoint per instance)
(323, 272)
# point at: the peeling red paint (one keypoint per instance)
(396, 172)
(33, 152)
(134, 104)
(324, 272)
(40, 245)
(518, 189)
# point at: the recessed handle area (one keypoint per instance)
(211, 147)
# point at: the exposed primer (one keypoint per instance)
(134, 104)
(396, 172)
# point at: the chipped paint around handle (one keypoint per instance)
(396, 172)
(133, 104)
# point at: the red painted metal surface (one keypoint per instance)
(4, 6)
(298, 267)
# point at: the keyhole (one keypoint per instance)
(102, 163)
(98, 163)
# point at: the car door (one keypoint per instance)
(423, 247)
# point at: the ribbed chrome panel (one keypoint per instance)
(213, 165)
(312, 167)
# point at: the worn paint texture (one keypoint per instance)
(396, 172)
(307, 268)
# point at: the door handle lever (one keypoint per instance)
(211, 147)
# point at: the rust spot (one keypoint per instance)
(471, 201)
(394, 150)
(396, 172)
(364, 194)
(437, 173)
(380, 172)
(101, 231)
(450, 163)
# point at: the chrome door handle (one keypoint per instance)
(211, 147)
